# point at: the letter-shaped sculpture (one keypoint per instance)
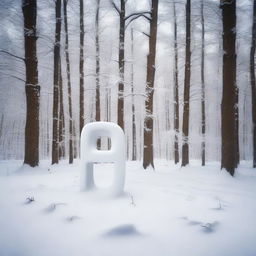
(90, 154)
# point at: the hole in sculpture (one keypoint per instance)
(103, 174)
(103, 143)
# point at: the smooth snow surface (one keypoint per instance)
(192, 211)
(90, 154)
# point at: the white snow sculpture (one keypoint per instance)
(90, 154)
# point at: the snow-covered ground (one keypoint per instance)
(191, 211)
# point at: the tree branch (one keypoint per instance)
(10, 54)
(136, 17)
(16, 77)
(115, 7)
(136, 13)
(146, 34)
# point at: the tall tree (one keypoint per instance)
(56, 76)
(71, 157)
(148, 157)
(61, 116)
(97, 65)
(253, 81)
(202, 84)
(29, 9)
(134, 146)
(81, 67)
(120, 102)
(124, 21)
(176, 90)
(97, 45)
(185, 125)
(229, 94)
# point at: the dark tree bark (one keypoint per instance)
(75, 142)
(61, 116)
(203, 122)
(176, 91)
(148, 157)
(124, 21)
(97, 45)
(237, 126)
(48, 129)
(81, 66)
(185, 126)
(253, 81)
(56, 69)
(120, 102)
(134, 147)
(29, 9)
(228, 111)
(71, 157)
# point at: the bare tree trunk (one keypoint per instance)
(134, 146)
(120, 103)
(203, 85)
(253, 81)
(75, 142)
(237, 126)
(176, 91)
(47, 129)
(97, 44)
(148, 157)
(61, 116)
(1, 125)
(56, 69)
(29, 8)
(81, 66)
(69, 84)
(185, 126)
(228, 127)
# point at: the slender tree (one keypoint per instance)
(71, 157)
(134, 147)
(97, 45)
(61, 116)
(253, 81)
(56, 76)
(148, 158)
(120, 102)
(237, 125)
(228, 105)
(97, 65)
(185, 126)
(81, 66)
(29, 9)
(1, 125)
(124, 21)
(176, 90)
(202, 84)
(75, 140)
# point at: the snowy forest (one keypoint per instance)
(180, 80)
(178, 77)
